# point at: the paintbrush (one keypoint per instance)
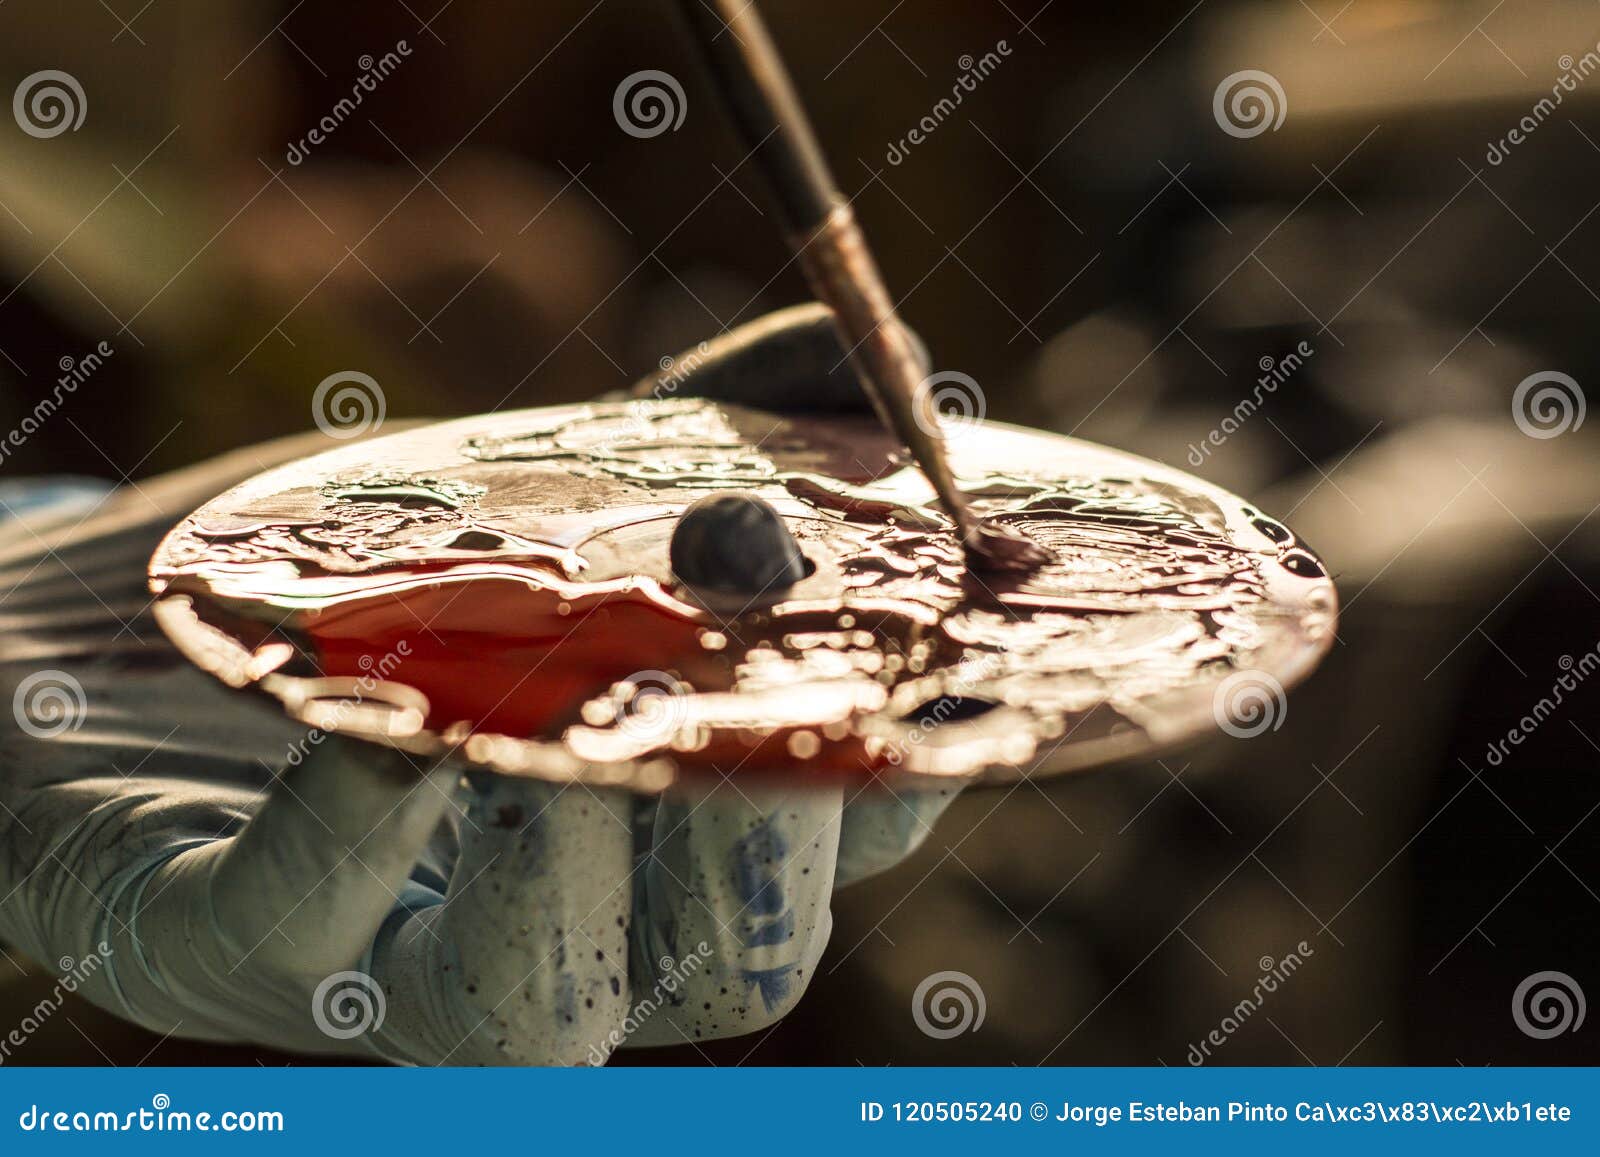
(828, 243)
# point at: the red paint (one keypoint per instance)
(498, 654)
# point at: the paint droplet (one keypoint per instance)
(804, 744)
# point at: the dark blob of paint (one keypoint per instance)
(1276, 531)
(735, 543)
(1302, 565)
(949, 709)
(477, 540)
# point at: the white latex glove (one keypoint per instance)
(156, 827)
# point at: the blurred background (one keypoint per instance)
(1113, 247)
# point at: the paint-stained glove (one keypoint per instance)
(154, 829)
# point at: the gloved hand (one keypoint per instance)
(357, 899)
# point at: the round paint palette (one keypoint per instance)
(498, 589)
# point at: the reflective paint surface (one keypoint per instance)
(500, 586)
